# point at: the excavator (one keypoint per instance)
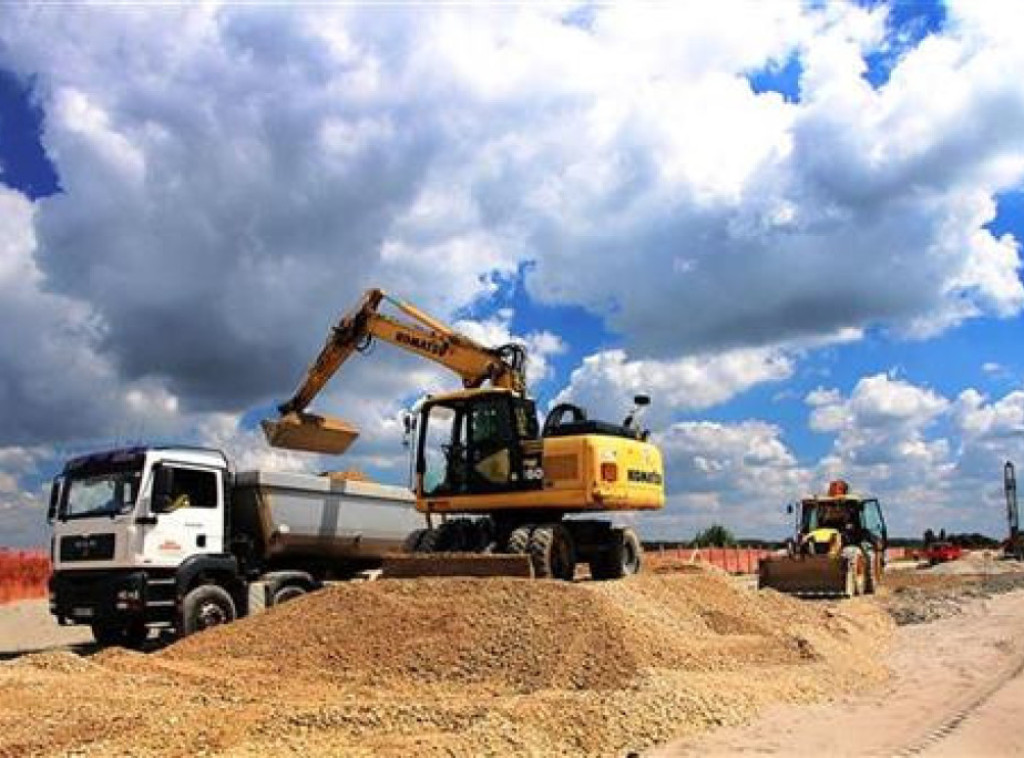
(1014, 547)
(838, 549)
(492, 481)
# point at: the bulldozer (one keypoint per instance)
(838, 549)
(502, 493)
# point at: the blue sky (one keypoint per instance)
(796, 226)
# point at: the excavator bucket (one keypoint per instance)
(310, 433)
(806, 575)
(411, 565)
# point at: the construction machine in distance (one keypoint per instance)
(838, 549)
(490, 478)
(1014, 547)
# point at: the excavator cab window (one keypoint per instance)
(474, 445)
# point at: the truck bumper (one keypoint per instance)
(88, 597)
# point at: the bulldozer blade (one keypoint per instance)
(805, 575)
(310, 433)
(411, 565)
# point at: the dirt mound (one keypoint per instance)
(511, 633)
(982, 562)
(456, 667)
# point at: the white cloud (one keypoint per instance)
(234, 176)
(606, 382)
(739, 474)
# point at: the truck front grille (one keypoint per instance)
(87, 547)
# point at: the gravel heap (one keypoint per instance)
(453, 667)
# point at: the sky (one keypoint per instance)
(795, 225)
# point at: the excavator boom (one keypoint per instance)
(503, 367)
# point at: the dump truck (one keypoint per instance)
(490, 478)
(838, 549)
(172, 538)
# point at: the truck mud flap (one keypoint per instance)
(412, 565)
(310, 433)
(805, 576)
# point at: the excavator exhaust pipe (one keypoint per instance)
(310, 433)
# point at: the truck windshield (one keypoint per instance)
(96, 493)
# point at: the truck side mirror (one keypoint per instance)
(163, 483)
(55, 491)
(642, 400)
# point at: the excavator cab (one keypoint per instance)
(478, 441)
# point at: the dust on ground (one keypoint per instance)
(452, 667)
(944, 590)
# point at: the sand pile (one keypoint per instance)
(456, 667)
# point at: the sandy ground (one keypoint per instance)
(957, 690)
(27, 626)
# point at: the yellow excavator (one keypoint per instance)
(838, 549)
(491, 479)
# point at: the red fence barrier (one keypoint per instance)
(23, 574)
(737, 560)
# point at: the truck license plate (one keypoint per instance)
(82, 613)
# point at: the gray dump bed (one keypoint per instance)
(322, 517)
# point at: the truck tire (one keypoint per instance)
(132, 635)
(552, 551)
(621, 558)
(204, 607)
(286, 593)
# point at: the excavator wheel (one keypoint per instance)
(429, 541)
(519, 540)
(412, 542)
(622, 558)
(553, 553)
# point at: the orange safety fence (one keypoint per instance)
(736, 560)
(23, 574)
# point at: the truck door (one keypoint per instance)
(186, 513)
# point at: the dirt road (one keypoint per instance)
(956, 690)
(27, 626)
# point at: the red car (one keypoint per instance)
(941, 552)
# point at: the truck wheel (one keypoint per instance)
(204, 607)
(552, 552)
(108, 635)
(286, 593)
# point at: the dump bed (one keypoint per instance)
(291, 515)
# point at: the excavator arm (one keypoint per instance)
(425, 336)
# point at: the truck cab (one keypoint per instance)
(134, 528)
